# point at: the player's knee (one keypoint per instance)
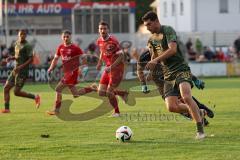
(102, 93)
(110, 95)
(187, 99)
(58, 90)
(171, 107)
(6, 88)
(16, 92)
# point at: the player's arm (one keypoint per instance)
(53, 63)
(172, 50)
(99, 64)
(119, 59)
(144, 58)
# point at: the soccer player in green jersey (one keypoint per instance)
(164, 48)
(158, 79)
(23, 57)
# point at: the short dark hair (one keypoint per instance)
(103, 23)
(66, 32)
(150, 15)
(22, 30)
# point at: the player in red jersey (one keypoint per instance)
(111, 55)
(70, 54)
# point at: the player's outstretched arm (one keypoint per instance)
(53, 64)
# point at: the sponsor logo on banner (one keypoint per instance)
(39, 8)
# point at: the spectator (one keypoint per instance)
(11, 49)
(91, 52)
(208, 54)
(192, 55)
(189, 44)
(236, 45)
(36, 59)
(49, 59)
(198, 46)
(220, 56)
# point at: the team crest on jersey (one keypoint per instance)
(68, 51)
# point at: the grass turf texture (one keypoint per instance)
(154, 137)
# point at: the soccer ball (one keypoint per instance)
(124, 133)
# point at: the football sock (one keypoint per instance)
(32, 96)
(202, 106)
(198, 103)
(199, 127)
(114, 103)
(57, 104)
(6, 105)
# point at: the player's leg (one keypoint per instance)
(174, 105)
(105, 89)
(171, 95)
(74, 90)
(114, 81)
(19, 83)
(103, 84)
(185, 91)
(113, 100)
(6, 93)
(58, 99)
(209, 112)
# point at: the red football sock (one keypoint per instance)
(57, 104)
(113, 101)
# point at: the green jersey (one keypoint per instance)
(158, 43)
(23, 52)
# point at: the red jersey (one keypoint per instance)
(108, 49)
(70, 57)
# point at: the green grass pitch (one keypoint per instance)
(158, 134)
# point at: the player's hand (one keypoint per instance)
(16, 70)
(145, 89)
(199, 84)
(49, 70)
(149, 77)
(9, 59)
(107, 69)
(151, 64)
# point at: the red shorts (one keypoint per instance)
(70, 78)
(112, 78)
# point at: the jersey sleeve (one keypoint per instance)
(117, 45)
(29, 51)
(170, 34)
(79, 50)
(58, 54)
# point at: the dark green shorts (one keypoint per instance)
(171, 87)
(17, 80)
